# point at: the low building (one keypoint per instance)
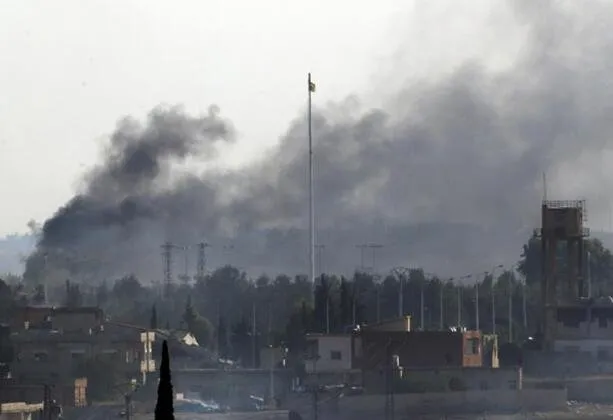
(56, 318)
(420, 349)
(329, 352)
(582, 341)
(20, 411)
(58, 357)
(587, 327)
(67, 395)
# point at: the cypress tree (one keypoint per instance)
(164, 407)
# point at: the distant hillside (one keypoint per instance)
(12, 249)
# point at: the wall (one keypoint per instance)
(446, 379)
(420, 349)
(326, 347)
(271, 357)
(372, 406)
(563, 364)
(600, 349)
(589, 320)
(64, 319)
(51, 356)
(589, 389)
(400, 325)
(227, 383)
(350, 377)
(67, 395)
(19, 410)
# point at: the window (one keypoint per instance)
(336, 355)
(471, 346)
(602, 353)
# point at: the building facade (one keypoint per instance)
(329, 353)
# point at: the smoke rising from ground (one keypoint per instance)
(446, 175)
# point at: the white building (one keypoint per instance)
(329, 353)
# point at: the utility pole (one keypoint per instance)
(523, 303)
(167, 255)
(320, 250)
(441, 313)
(493, 292)
(378, 286)
(459, 317)
(201, 269)
(477, 304)
(421, 304)
(327, 290)
(510, 304)
(311, 90)
(354, 305)
(362, 247)
(589, 275)
(400, 273)
(460, 302)
(45, 279)
(374, 248)
(185, 276)
(272, 357)
(253, 333)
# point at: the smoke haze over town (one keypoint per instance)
(444, 170)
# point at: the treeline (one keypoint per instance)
(279, 307)
(228, 303)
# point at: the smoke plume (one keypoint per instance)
(446, 175)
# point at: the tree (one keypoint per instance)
(153, 323)
(529, 264)
(164, 409)
(345, 303)
(223, 342)
(600, 263)
(196, 324)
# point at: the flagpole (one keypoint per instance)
(311, 195)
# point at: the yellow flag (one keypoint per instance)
(311, 86)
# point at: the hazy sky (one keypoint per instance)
(70, 69)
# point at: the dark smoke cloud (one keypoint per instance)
(446, 175)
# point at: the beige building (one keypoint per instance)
(329, 353)
(341, 352)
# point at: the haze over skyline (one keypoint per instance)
(433, 124)
(70, 73)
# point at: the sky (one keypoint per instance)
(72, 69)
(433, 125)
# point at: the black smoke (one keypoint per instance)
(446, 175)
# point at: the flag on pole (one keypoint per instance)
(311, 86)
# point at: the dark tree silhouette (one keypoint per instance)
(164, 407)
(153, 323)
